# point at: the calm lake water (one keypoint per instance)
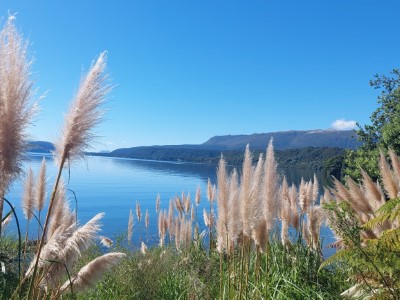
(113, 185)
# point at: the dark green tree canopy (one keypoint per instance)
(384, 130)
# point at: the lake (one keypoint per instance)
(113, 185)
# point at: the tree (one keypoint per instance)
(384, 130)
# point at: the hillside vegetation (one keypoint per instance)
(310, 158)
(293, 139)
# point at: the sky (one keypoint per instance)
(187, 70)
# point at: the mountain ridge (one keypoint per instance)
(291, 139)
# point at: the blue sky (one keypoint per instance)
(188, 70)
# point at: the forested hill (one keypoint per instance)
(311, 157)
(40, 147)
(293, 139)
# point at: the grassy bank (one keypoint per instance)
(163, 273)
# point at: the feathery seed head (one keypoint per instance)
(315, 189)
(158, 203)
(130, 225)
(210, 191)
(186, 202)
(198, 195)
(234, 214)
(138, 212)
(271, 187)
(389, 182)
(6, 222)
(245, 190)
(192, 214)
(41, 186)
(106, 242)
(92, 272)
(146, 219)
(371, 191)
(84, 113)
(16, 112)
(206, 218)
(395, 165)
(143, 248)
(29, 195)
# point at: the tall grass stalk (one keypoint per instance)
(16, 112)
(84, 114)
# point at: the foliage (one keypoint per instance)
(361, 158)
(311, 157)
(373, 262)
(165, 274)
(384, 130)
(160, 274)
(334, 166)
(8, 254)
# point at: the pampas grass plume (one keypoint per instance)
(93, 271)
(210, 191)
(388, 180)
(192, 213)
(294, 215)
(371, 191)
(16, 112)
(41, 186)
(358, 200)
(256, 201)
(162, 227)
(206, 218)
(315, 189)
(28, 202)
(143, 248)
(395, 165)
(130, 226)
(146, 219)
(57, 212)
(271, 190)
(245, 188)
(198, 195)
(138, 212)
(285, 211)
(85, 112)
(6, 222)
(158, 203)
(234, 216)
(186, 202)
(106, 242)
(222, 198)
